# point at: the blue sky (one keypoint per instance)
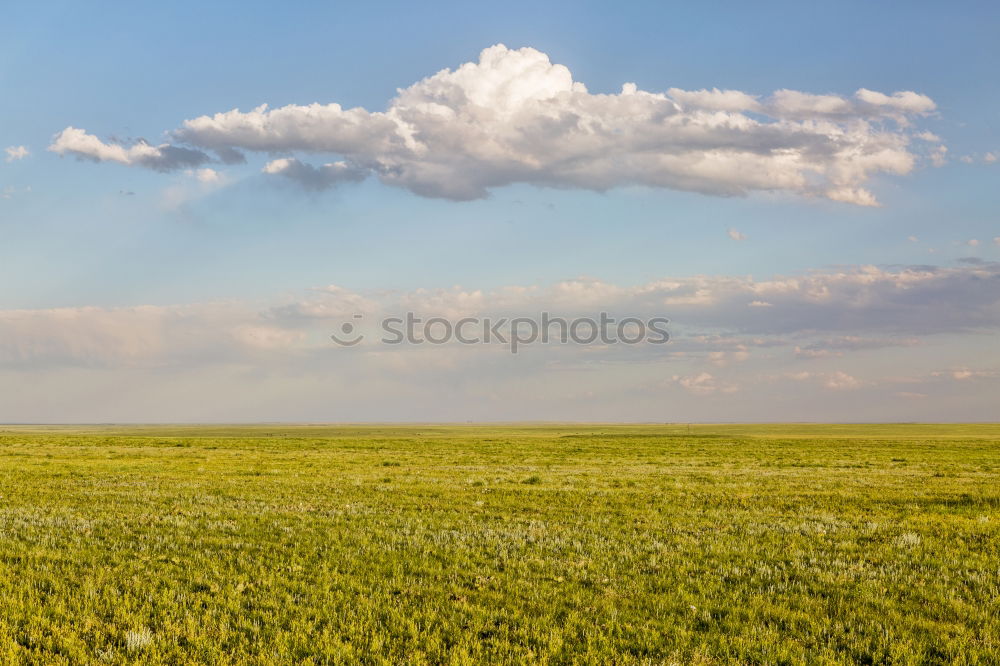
(88, 238)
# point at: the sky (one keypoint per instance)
(194, 197)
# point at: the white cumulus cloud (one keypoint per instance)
(515, 117)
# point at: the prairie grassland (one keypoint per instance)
(502, 544)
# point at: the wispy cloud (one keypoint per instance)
(15, 153)
(164, 157)
(815, 316)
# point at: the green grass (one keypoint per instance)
(502, 544)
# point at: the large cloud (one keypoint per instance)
(514, 117)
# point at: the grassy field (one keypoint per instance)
(502, 544)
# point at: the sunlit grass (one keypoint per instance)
(532, 543)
